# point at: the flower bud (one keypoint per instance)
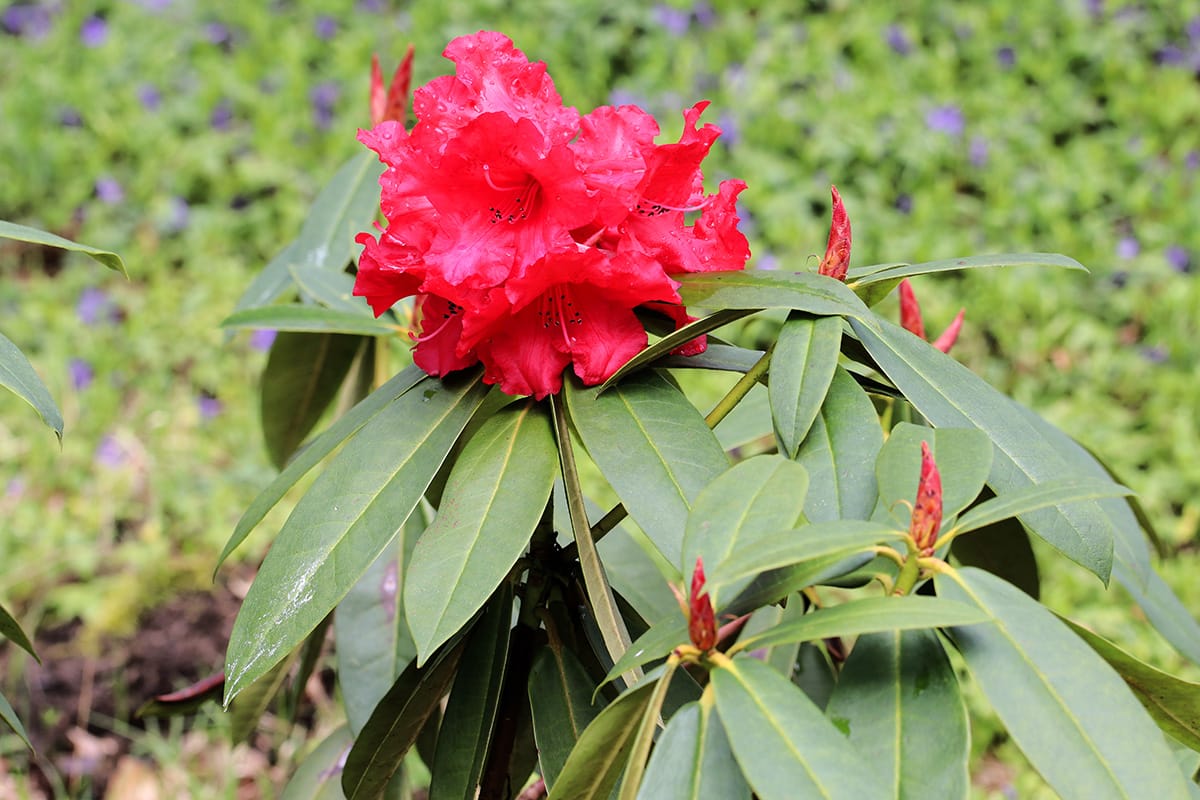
(392, 104)
(910, 310)
(927, 510)
(837, 251)
(950, 335)
(702, 623)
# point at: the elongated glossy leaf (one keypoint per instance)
(466, 730)
(319, 775)
(675, 339)
(494, 498)
(898, 700)
(1173, 703)
(23, 233)
(11, 630)
(716, 356)
(344, 207)
(596, 762)
(374, 644)
(634, 574)
(760, 496)
(343, 428)
(868, 615)
(662, 637)
(330, 289)
(653, 447)
(814, 673)
(272, 282)
(839, 453)
(1170, 616)
(810, 543)
(785, 746)
(748, 423)
(1004, 550)
(396, 722)
(1068, 711)
(639, 749)
(949, 395)
(802, 367)
(311, 319)
(248, 707)
(9, 716)
(1033, 498)
(560, 695)
(963, 456)
(692, 760)
(302, 376)
(345, 521)
(18, 376)
(863, 276)
(756, 289)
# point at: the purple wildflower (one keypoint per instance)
(1192, 160)
(674, 21)
(1156, 354)
(262, 339)
(208, 405)
(370, 6)
(766, 261)
(978, 152)
(15, 487)
(31, 21)
(93, 32)
(704, 14)
(81, 373)
(222, 116)
(1006, 57)
(1193, 30)
(95, 306)
(730, 130)
(179, 215)
(898, 41)
(70, 117)
(1179, 259)
(947, 119)
(325, 27)
(110, 453)
(904, 203)
(1128, 247)
(218, 33)
(1170, 55)
(149, 96)
(324, 97)
(109, 191)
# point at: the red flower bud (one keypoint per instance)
(702, 622)
(950, 335)
(927, 510)
(394, 103)
(837, 251)
(910, 310)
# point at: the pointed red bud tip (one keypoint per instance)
(392, 104)
(702, 622)
(950, 335)
(927, 511)
(837, 251)
(910, 310)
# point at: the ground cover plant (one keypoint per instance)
(911, 113)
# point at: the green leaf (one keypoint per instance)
(23, 233)
(963, 456)
(343, 428)
(949, 395)
(272, 282)
(493, 500)
(11, 630)
(466, 730)
(311, 319)
(760, 496)
(1069, 712)
(633, 573)
(802, 367)
(346, 520)
(654, 449)
(784, 744)
(1002, 549)
(1169, 615)
(1173, 703)
(810, 543)
(396, 722)
(898, 699)
(17, 375)
(717, 356)
(346, 206)
(692, 760)
(560, 695)
(868, 615)
(749, 423)
(598, 759)
(373, 642)
(303, 374)
(757, 289)
(672, 340)
(660, 639)
(330, 289)
(814, 673)
(864, 276)
(640, 748)
(1050, 493)
(248, 707)
(318, 776)
(839, 453)
(13, 721)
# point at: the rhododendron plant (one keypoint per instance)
(525, 537)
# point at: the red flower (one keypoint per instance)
(529, 233)
(702, 623)
(910, 319)
(837, 249)
(392, 103)
(927, 510)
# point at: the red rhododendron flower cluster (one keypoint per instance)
(528, 232)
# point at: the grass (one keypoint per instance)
(190, 138)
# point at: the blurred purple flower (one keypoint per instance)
(730, 130)
(95, 306)
(324, 97)
(325, 27)
(208, 405)
(15, 487)
(179, 215)
(1179, 259)
(81, 373)
(1006, 57)
(110, 452)
(109, 190)
(904, 203)
(704, 14)
(1128, 247)
(1156, 354)
(1170, 55)
(947, 119)
(898, 41)
(674, 21)
(978, 152)
(766, 261)
(370, 6)
(149, 96)
(624, 97)
(30, 20)
(262, 339)
(1192, 159)
(222, 116)
(1193, 29)
(155, 5)
(93, 32)
(70, 118)
(218, 33)
(1094, 7)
